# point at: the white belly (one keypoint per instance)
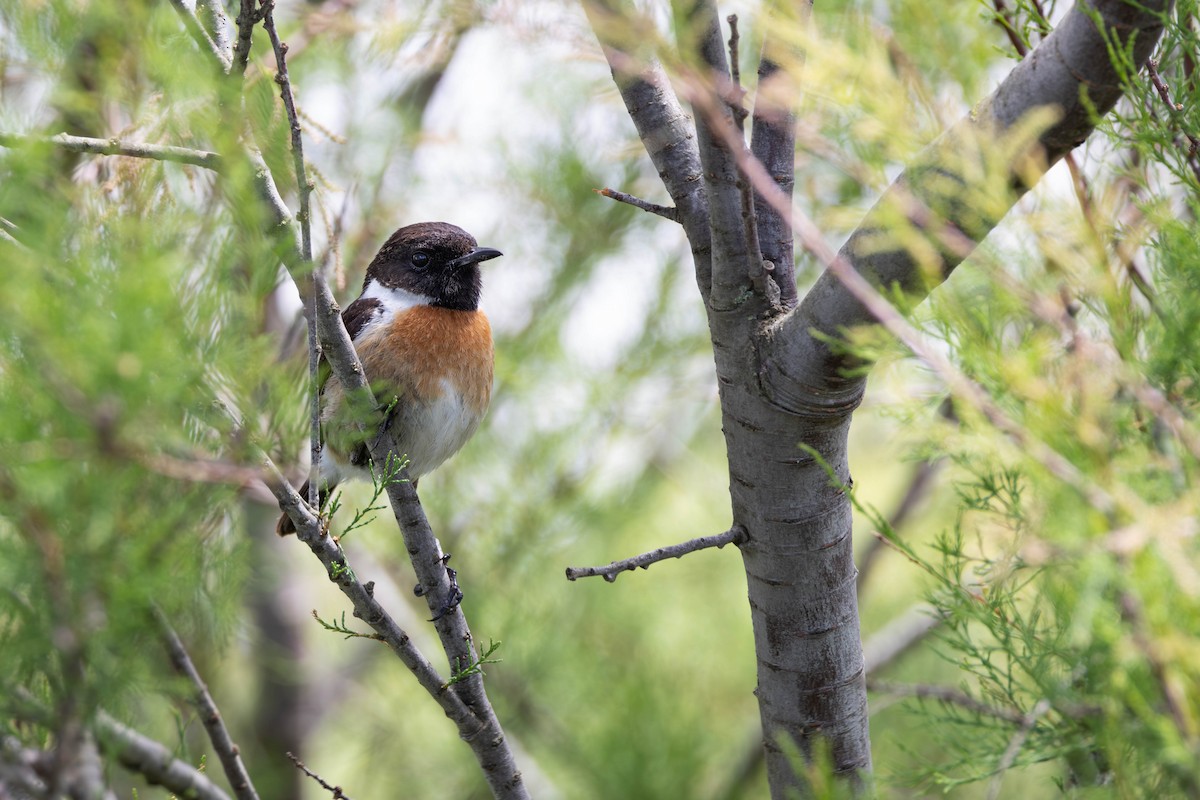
(427, 433)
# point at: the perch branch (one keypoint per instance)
(735, 535)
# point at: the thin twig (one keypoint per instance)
(337, 792)
(1173, 110)
(304, 217)
(735, 535)
(210, 715)
(304, 187)
(117, 147)
(666, 212)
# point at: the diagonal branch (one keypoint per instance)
(210, 715)
(664, 128)
(133, 750)
(666, 212)
(1072, 71)
(336, 791)
(142, 754)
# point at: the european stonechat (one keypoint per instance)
(426, 349)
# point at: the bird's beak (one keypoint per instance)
(475, 256)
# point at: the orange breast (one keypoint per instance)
(424, 348)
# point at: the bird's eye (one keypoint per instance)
(420, 259)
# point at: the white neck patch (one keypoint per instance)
(393, 302)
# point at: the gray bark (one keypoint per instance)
(781, 388)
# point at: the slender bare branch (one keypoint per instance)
(210, 715)
(310, 530)
(305, 218)
(117, 147)
(666, 212)
(289, 105)
(1174, 112)
(734, 535)
(336, 791)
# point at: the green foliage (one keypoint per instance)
(476, 667)
(136, 325)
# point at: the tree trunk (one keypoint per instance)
(782, 389)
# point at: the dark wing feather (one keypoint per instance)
(359, 313)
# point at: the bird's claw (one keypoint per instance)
(455, 596)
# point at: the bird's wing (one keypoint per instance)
(356, 317)
(359, 313)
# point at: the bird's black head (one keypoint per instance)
(434, 259)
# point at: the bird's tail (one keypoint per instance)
(285, 526)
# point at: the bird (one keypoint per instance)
(426, 349)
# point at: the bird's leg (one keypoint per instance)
(455, 596)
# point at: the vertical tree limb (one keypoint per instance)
(733, 255)
(773, 142)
